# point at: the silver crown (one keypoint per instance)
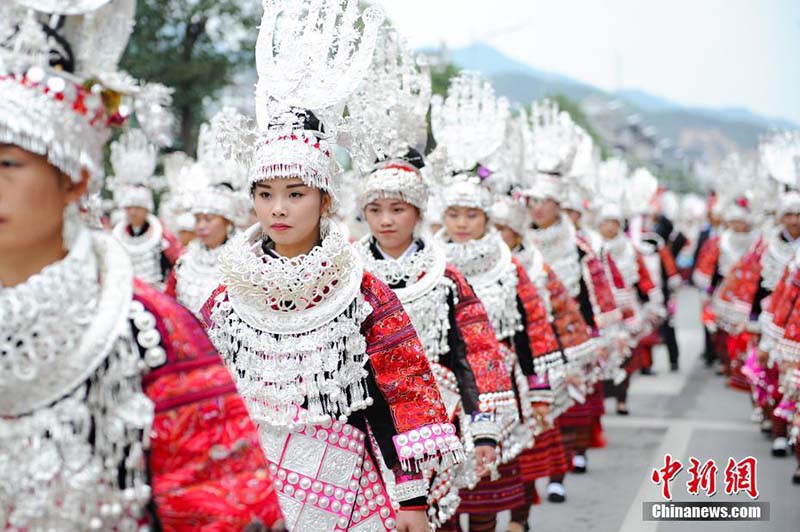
(134, 160)
(470, 125)
(67, 116)
(389, 110)
(390, 106)
(551, 143)
(470, 122)
(215, 183)
(310, 56)
(780, 157)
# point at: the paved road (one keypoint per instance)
(688, 413)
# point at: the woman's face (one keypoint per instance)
(791, 221)
(392, 223)
(33, 194)
(136, 216)
(609, 229)
(575, 216)
(544, 211)
(739, 226)
(510, 237)
(464, 224)
(211, 229)
(289, 212)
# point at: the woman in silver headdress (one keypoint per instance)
(116, 412)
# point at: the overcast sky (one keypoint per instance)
(716, 53)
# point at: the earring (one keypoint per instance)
(71, 225)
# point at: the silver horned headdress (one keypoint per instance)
(551, 143)
(60, 91)
(310, 56)
(134, 160)
(215, 184)
(471, 125)
(389, 111)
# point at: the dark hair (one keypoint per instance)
(308, 120)
(414, 158)
(61, 56)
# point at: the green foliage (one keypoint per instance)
(195, 47)
(578, 116)
(441, 76)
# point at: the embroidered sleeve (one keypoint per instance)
(781, 311)
(615, 274)
(404, 379)
(707, 263)
(605, 312)
(737, 293)
(172, 284)
(572, 330)
(670, 268)
(208, 307)
(206, 465)
(173, 248)
(538, 328)
(482, 348)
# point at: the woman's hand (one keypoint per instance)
(485, 456)
(412, 521)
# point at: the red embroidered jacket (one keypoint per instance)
(706, 273)
(737, 293)
(596, 299)
(483, 354)
(399, 381)
(205, 461)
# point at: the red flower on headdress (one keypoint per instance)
(742, 202)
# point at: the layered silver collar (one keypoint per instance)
(732, 246)
(488, 266)
(291, 296)
(777, 255)
(197, 274)
(58, 326)
(559, 248)
(622, 250)
(419, 272)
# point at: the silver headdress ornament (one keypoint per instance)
(471, 124)
(583, 185)
(60, 91)
(737, 186)
(612, 180)
(511, 212)
(551, 143)
(389, 110)
(390, 106)
(215, 183)
(310, 57)
(173, 208)
(642, 189)
(134, 160)
(507, 181)
(780, 158)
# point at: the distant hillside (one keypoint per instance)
(694, 130)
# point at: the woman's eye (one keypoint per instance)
(8, 163)
(264, 195)
(295, 195)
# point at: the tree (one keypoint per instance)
(194, 46)
(441, 76)
(579, 117)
